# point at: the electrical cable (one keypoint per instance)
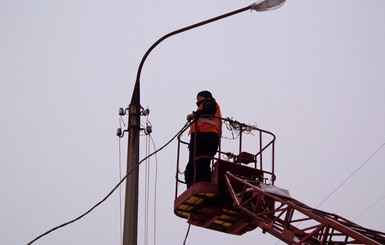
(155, 184)
(120, 188)
(236, 128)
(188, 231)
(350, 176)
(149, 140)
(112, 191)
(120, 193)
(379, 200)
(146, 194)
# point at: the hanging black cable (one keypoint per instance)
(112, 191)
(188, 231)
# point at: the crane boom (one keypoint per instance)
(283, 221)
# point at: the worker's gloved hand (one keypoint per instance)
(190, 117)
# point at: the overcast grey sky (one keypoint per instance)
(312, 72)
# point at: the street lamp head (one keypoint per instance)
(267, 5)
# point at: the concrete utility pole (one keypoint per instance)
(130, 228)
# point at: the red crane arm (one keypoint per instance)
(284, 218)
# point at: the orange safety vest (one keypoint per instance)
(208, 124)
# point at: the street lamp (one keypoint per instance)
(131, 202)
(267, 5)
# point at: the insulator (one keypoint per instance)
(148, 129)
(119, 132)
(121, 112)
(146, 112)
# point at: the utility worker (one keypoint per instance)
(205, 131)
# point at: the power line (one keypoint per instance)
(146, 193)
(350, 176)
(113, 190)
(120, 188)
(155, 185)
(150, 140)
(366, 210)
(120, 192)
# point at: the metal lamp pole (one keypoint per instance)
(130, 228)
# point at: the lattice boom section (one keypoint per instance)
(292, 221)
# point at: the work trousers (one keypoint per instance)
(206, 144)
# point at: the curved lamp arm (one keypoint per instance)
(261, 6)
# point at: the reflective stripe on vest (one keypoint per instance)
(206, 120)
